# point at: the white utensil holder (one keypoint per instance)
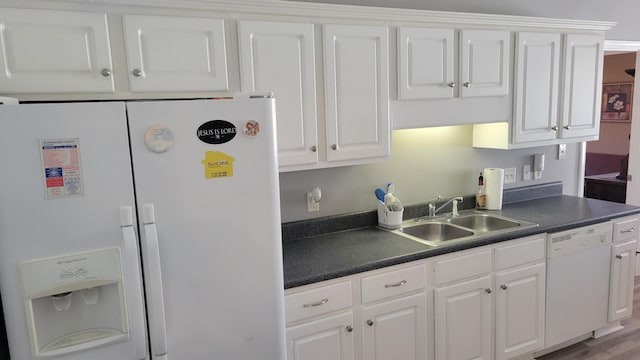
(389, 219)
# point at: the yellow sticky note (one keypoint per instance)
(217, 165)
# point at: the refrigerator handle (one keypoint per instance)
(132, 271)
(153, 274)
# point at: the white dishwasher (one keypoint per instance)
(578, 263)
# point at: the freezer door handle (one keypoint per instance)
(132, 270)
(153, 275)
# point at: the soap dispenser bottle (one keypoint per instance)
(481, 197)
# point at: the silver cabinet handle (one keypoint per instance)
(451, 84)
(137, 72)
(488, 290)
(628, 231)
(618, 256)
(370, 322)
(317, 303)
(567, 127)
(334, 147)
(503, 287)
(467, 84)
(313, 148)
(400, 283)
(105, 72)
(349, 328)
(554, 128)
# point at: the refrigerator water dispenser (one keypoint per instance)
(75, 302)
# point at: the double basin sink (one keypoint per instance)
(469, 225)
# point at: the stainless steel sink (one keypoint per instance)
(436, 231)
(483, 222)
(469, 225)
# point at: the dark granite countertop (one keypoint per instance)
(323, 256)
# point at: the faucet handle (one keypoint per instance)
(454, 212)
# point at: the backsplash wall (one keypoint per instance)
(425, 163)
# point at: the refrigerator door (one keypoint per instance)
(207, 183)
(67, 189)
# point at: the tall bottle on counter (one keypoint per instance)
(481, 197)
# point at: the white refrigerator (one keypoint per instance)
(141, 230)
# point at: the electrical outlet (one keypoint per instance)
(509, 175)
(537, 175)
(526, 172)
(312, 206)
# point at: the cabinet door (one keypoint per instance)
(520, 306)
(356, 73)
(536, 87)
(175, 53)
(425, 63)
(463, 320)
(395, 329)
(484, 62)
(279, 57)
(328, 338)
(623, 263)
(583, 67)
(46, 51)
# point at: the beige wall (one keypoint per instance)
(614, 137)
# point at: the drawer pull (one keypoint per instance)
(503, 287)
(628, 231)
(618, 256)
(318, 303)
(396, 284)
(370, 322)
(488, 290)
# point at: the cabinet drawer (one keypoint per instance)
(463, 266)
(393, 283)
(317, 301)
(523, 252)
(625, 229)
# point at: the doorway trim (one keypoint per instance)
(633, 187)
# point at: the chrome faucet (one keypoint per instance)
(455, 200)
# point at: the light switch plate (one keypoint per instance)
(562, 151)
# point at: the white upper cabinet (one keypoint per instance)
(175, 53)
(279, 57)
(54, 51)
(484, 62)
(583, 66)
(554, 101)
(536, 86)
(429, 69)
(356, 91)
(426, 63)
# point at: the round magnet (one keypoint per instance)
(251, 128)
(158, 138)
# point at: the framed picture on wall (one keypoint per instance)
(616, 102)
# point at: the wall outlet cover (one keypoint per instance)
(312, 205)
(509, 175)
(526, 172)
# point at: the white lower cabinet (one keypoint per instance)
(390, 317)
(328, 338)
(623, 267)
(463, 320)
(395, 329)
(496, 312)
(520, 297)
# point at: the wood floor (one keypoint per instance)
(621, 345)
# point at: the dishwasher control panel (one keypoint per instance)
(570, 241)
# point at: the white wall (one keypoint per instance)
(426, 163)
(624, 12)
